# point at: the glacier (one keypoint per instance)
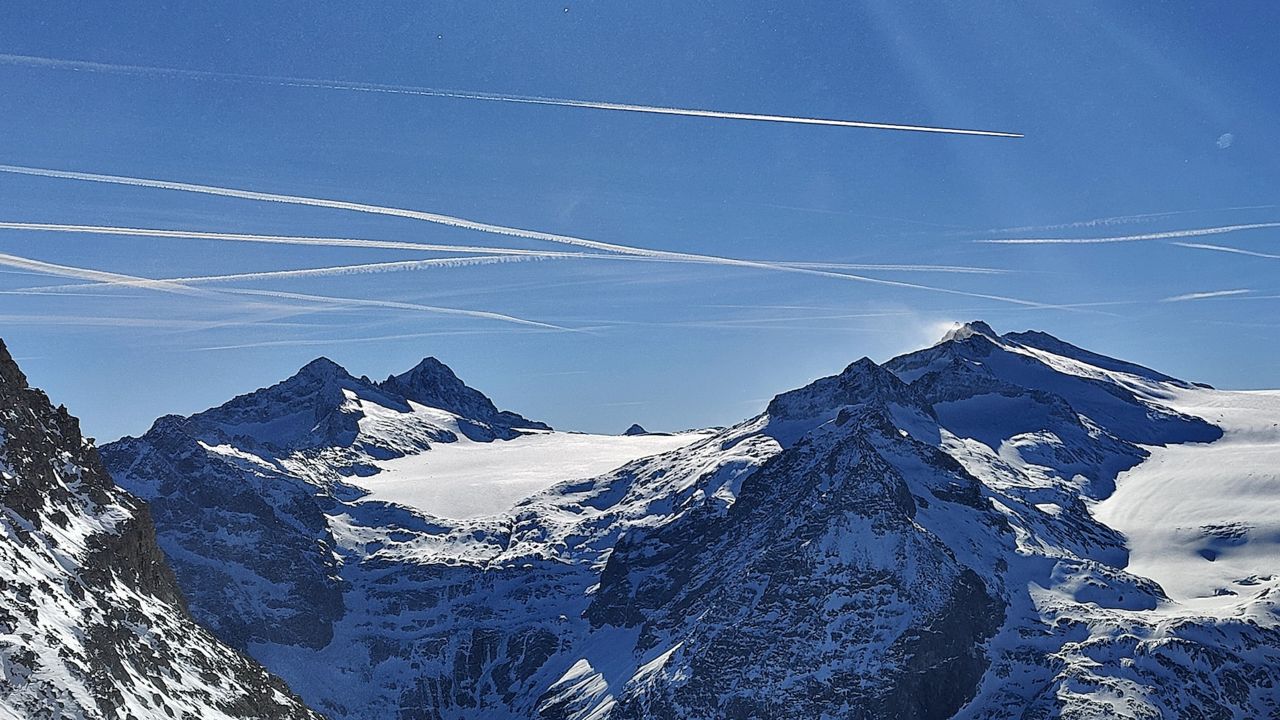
(996, 526)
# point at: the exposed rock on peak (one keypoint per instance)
(434, 384)
(635, 429)
(322, 366)
(10, 375)
(967, 330)
(92, 623)
(862, 383)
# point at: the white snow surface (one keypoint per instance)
(1203, 519)
(468, 479)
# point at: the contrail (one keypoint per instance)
(1206, 295)
(451, 221)
(1197, 232)
(361, 269)
(1225, 249)
(266, 239)
(97, 276)
(964, 269)
(336, 341)
(1119, 219)
(365, 268)
(111, 278)
(392, 304)
(117, 321)
(80, 65)
(428, 247)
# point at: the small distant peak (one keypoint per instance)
(862, 382)
(861, 365)
(429, 366)
(322, 366)
(636, 429)
(967, 330)
(429, 376)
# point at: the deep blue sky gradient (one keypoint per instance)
(1122, 106)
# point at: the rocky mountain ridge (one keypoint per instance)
(92, 621)
(913, 539)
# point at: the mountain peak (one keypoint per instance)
(964, 331)
(862, 382)
(434, 384)
(321, 367)
(10, 374)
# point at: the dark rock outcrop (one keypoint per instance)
(92, 621)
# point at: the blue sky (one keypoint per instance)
(1128, 110)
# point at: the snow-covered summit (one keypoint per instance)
(964, 331)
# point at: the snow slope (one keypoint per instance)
(1203, 520)
(467, 479)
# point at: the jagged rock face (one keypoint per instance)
(249, 542)
(432, 383)
(763, 613)
(910, 540)
(92, 623)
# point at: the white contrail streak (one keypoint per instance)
(963, 269)
(427, 247)
(1206, 295)
(1225, 249)
(266, 239)
(466, 224)
(1119, 219)
(392, 304)
(361, 269)
(60, 64)
(337, 341)
(1196, 232)
(97, 276)
(117, 321)
(111, 278)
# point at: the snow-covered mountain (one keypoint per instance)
(998, 526)
(92, 623)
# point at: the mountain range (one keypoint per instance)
(996, 526)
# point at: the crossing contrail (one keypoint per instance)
(266, 239)
(1225, 249)
(430, 247)
(1171, 234)
(143, 70)
(95, 276)
(503, 230)
(392, 304)
(110, 278)
(892, 267)
(1206, 295)
(331, 271)
(1117, 220)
